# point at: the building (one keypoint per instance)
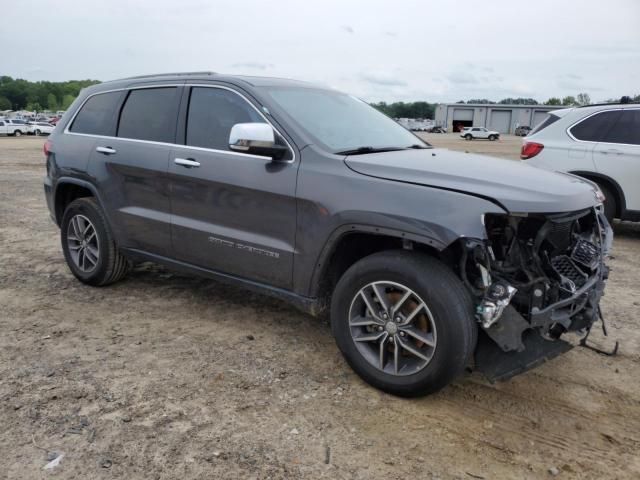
(501, 118)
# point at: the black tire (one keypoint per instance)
(468, 137)
(111, 266)
(37, 132)
(610, 203)
(492, 137)
(450, 305)
(17, 133)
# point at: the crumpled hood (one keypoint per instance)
(517, 186)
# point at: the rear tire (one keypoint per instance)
(88, 246)
(610, 203)
(468, 137)
(17, 133)
(37, 132)
(446, 328)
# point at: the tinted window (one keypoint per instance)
(212, 113)
(98, 115)
(1, 124)
(150, 114)
(551, 118)
(626, 130)
(595, 127)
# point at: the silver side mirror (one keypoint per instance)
(256, 139)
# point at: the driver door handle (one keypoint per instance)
(186, 162)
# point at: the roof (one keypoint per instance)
(204, 76)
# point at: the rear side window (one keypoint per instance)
(150, 114)
(595, 127)
(212, 113)
(626, 130)
(98, 115)
(551, 118)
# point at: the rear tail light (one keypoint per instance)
(46, 148)
(530, 150)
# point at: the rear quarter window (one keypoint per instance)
(97, 116)
(550, 120)
(150, 114)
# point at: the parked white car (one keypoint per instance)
(40, 128)
(472, 133)
(13, 127)
(598, 142)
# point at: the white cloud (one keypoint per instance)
(379, 50)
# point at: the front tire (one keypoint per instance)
(404, 322)
(17, 133)
(88, 246)
(468, 137)
(492, 137)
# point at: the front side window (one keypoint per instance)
(150, 114)
(626, 130)
(97, 116)
(340, 122)
(595, 127)
(212, 114)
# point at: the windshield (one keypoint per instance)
(340, 122)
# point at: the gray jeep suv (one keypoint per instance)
(425, 260)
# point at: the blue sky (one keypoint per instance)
(376, 49)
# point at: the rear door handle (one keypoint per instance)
(613, 151)
(186, 162)
(106, 150)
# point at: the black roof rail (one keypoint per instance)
(605, 104)
(172, 74)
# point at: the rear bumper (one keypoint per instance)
(48, 195)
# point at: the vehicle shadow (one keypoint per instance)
(626, 229)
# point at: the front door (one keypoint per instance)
(231, 212)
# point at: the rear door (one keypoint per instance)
(131, 168)
(231, 212)
(587, 133)
(617, 155)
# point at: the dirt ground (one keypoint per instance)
(168, 376)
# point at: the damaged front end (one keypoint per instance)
(534, 278)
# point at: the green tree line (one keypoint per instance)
(19, 94)
(407, 110)
(427, 110)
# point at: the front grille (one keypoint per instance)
(571, 277)
(585, 253)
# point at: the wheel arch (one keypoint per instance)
(350, 243)
(67, 190)
(621, 204)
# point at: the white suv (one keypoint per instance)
(471, 133)
(598, 142)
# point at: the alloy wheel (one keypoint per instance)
(392, 328)
(82, 242)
